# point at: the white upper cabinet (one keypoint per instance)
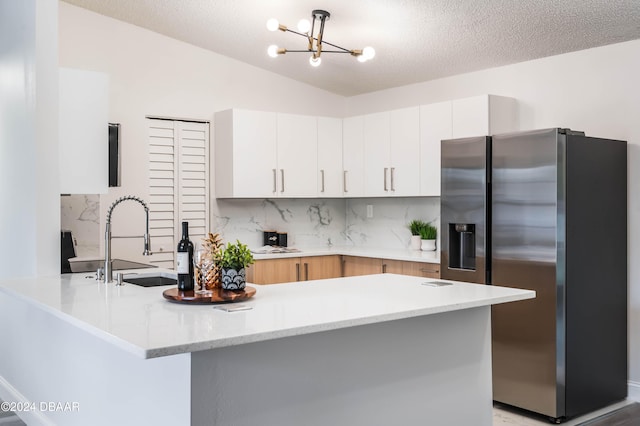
(377, 140)
(483, 115)
(330, 157)
(435, 125)
(297, 155)
(392, 153)
(353, 156)
(404, 166)
(83, 132)
(246, 154)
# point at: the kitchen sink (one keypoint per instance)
(151, 279)
(91, 265)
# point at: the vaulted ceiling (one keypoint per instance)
(415, 40)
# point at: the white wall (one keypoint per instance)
(594, 90)
(30, 213)
(151, 74)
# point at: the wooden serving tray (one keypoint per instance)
(218, 296)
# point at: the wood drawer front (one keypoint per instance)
(274, 271)
(421, 269)
(354, 266)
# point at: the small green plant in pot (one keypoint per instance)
(415, 226)
(428, 235)
(233, 259)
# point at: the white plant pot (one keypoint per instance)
(416, 242)
(428, 245)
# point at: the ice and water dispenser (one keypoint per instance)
(464, 212)
(462, 246)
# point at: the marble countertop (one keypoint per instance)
(393, 254)
(141, 321)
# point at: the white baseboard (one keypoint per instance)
(634, 391)
(35, 418)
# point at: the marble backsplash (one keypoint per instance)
(388, 226)
(80, 214)
(324, 222)
(308, 222)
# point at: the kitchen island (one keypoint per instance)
(378, 349)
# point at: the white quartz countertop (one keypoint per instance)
(141, 321)
(382, 253)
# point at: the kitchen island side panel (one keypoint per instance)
(432, 369)
(45, 359)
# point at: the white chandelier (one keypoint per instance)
(315, 40)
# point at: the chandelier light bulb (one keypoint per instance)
(315, 61)
(368, 53)
(361, 58)
(272, 24)
(304, 26)
(272, 51)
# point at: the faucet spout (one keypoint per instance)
(108, 271)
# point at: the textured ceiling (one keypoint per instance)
(415, 40)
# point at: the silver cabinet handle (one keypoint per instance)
(275, 188)
(282, 177)
(393, 188)
(385, 179)
(297, 272)
(306, 272)
(322, 177)
(344, 181)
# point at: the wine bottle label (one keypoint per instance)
(183, 263)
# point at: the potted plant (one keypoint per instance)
(233, 259)
(428, 235)
(415, 226)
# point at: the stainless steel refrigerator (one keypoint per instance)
(544, 210)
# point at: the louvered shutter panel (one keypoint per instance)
(193, 179)
(178, 185)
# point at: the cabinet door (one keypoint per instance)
(435, 125)
(353, 156)
(329, 157)
(404, 172)
(355, 265)
(421, 269)
(320, 267)
(376, 155)
(297, 155)
(83, 132)
(392, 266)
(245, 154)
(274, 271)
(470, 117)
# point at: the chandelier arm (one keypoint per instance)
(314, 51)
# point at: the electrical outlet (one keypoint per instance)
(369, 211)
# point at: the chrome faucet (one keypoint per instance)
(108, 272)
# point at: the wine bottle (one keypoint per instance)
(185, 260)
